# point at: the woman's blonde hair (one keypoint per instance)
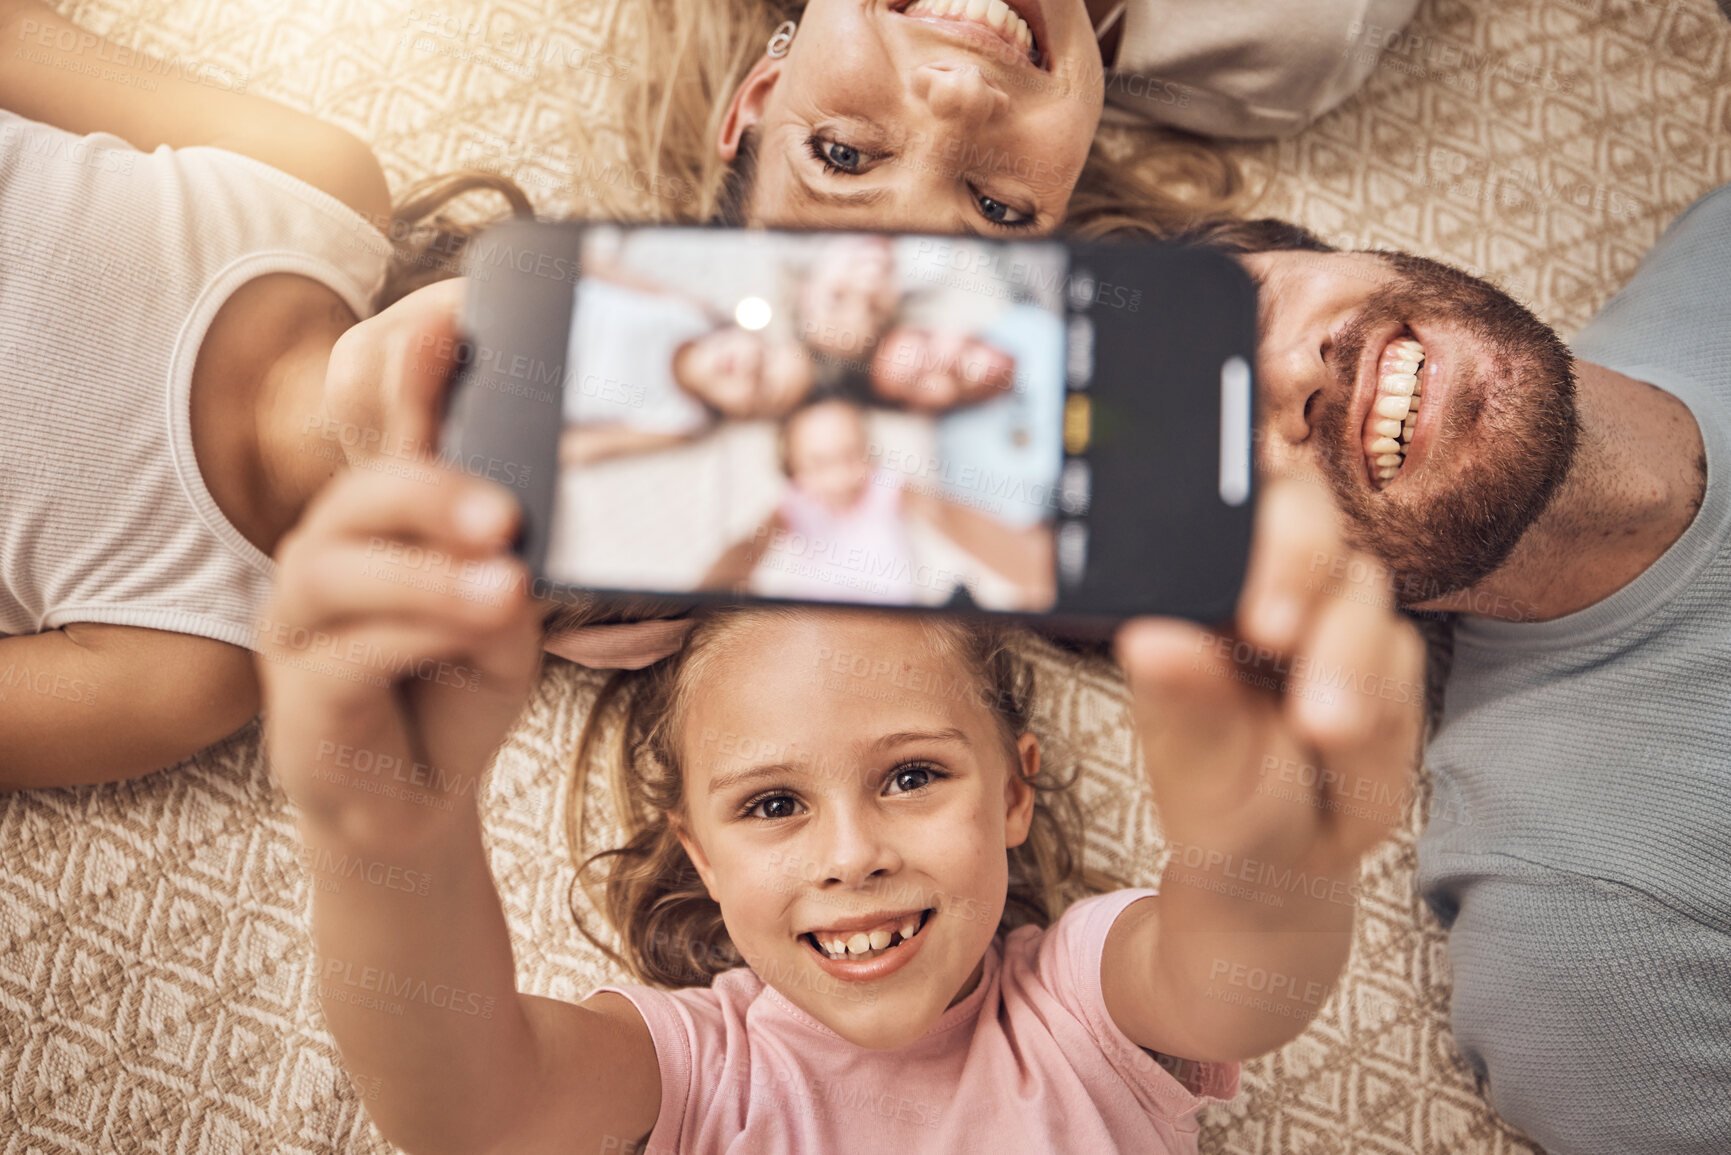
(669, 930)
(685, 58)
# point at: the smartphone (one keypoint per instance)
(940, 422)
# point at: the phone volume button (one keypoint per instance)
(1235, 431)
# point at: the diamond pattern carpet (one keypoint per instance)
(157, 992)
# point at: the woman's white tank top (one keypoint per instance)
(113, 262)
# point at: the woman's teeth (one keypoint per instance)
(1394, 413)
(993, 14)
(863, 945)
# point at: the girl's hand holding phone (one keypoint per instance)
(401, 642)
(1296, 733)
(1279, 751)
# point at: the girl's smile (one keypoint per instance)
(862, 949)
(853, 830)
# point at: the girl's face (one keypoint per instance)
(896, 115)
(828, 454)
(846, 784)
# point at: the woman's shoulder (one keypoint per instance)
(1246, 70)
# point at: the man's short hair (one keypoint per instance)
(1237, 238)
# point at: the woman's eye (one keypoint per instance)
(1000, 213)
(774, 806)
(835, 155)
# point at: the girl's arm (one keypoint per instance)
(588, 444)
(64, 75)
(732, 570)
(1280, 752)
(1025, 555)
(400, 646)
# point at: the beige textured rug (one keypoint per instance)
(156, 988)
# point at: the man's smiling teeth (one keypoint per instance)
(863, 945)
(1394, 413)
(993, 14)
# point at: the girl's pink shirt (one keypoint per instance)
(1029, 1062)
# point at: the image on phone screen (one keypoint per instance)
(819, 417)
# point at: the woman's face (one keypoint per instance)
(843, 778)
(905, 115)
(744, 375)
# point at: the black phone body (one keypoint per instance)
(1028, 427)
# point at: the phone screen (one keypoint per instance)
(820, 417)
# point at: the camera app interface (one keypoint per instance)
(821, 417)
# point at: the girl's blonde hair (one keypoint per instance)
(683, 59)
(669, 930)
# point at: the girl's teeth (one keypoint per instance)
(868, 944)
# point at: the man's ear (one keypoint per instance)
(746, 108)
(1019, 791)
(694, 851)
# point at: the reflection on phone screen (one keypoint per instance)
(818, 417)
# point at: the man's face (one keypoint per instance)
(1443, 491)
(930, 371)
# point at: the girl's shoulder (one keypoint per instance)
(1070, 949)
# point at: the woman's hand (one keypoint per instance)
(1293, 737)
(401, 641)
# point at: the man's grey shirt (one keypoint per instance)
(1580, 842)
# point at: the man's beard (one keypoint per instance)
(1515, 417)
